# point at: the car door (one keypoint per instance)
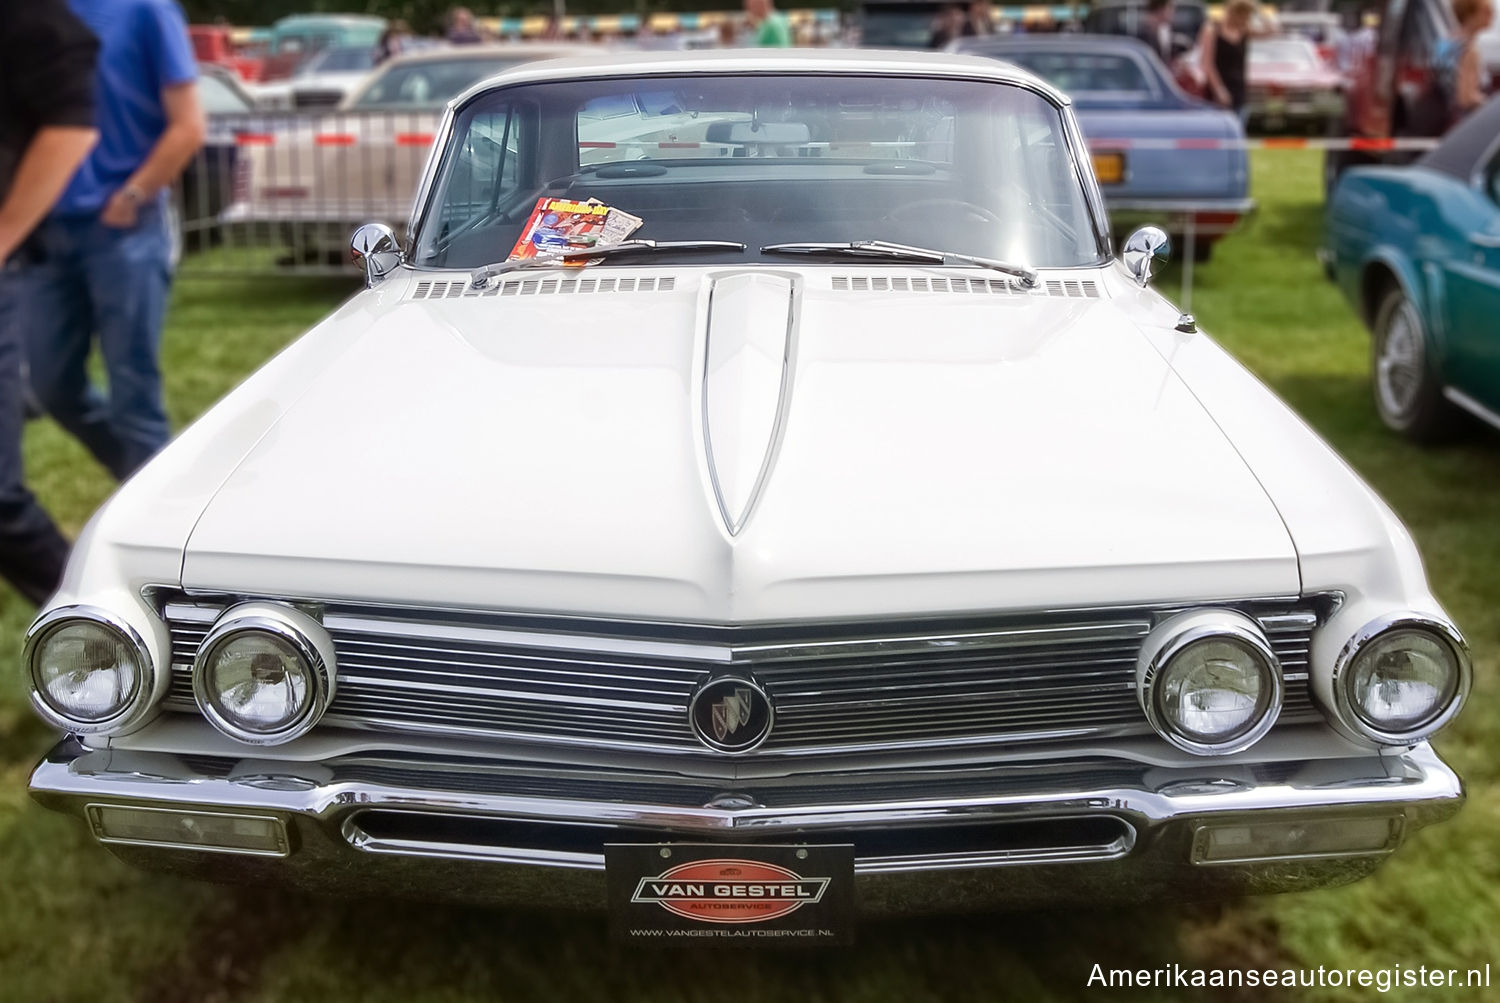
(1472, 281)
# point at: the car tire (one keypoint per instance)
(1203, 251)
(1408, 391)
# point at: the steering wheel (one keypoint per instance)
(979, 212)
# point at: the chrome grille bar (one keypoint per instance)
(838, 687)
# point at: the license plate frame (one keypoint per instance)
(788, 894)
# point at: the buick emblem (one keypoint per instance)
(731, 714)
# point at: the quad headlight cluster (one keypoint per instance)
(1209, 682)
(263, 675)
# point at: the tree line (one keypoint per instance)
(427, 16)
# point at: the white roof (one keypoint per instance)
(607, 63)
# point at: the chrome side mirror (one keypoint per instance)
(1142, 248)
(373, 248)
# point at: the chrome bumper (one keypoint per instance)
(1086, 829)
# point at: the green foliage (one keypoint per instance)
(427, 16)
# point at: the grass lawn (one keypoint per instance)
(76, 925)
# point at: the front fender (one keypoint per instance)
(1422, 285)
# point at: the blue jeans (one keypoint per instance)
(32, 551)
(79, 279)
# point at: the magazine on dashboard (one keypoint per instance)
(560, 225)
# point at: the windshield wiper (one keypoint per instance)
(904, 252)
(481, 276)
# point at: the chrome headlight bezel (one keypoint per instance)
(1344, 705)
(1173, 637)
(135, 712)
(302, 633)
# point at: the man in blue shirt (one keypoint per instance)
(99, 266)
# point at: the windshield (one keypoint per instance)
(1118, 76)
(430, 83)
(972, 167)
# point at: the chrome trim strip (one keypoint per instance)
(735, 521)
(153, 595)
(888, 864)
(136, 711)
(1472, 406)
(363, 841)
(982, 859)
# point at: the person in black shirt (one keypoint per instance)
(1224, 49)
(46, 130)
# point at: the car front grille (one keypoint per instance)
(835, 687)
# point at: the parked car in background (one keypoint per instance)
(858, 535)
(1394, 92)
(213, 44)
(1291, 84)
(205, 188)
(1324, 29)
(325, 80)
(1416, 250)
(296, 38)
(317, 177)
(1149, 138)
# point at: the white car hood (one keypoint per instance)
(716, 451)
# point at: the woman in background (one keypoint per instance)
(1459, 70)
(1225, 51)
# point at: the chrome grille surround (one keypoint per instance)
(851, 687)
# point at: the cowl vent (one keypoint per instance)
(436, 290)
(1064, 288)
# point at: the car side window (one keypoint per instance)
(1492, 178)
(487, 172)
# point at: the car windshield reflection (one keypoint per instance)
(976, 167)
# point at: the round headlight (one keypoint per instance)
(1401, 679)
(1210, 682)
(262, 675)
(90, 672)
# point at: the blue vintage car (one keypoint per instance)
(1161, 156)
(1416, 250)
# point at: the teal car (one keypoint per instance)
(1416, 250)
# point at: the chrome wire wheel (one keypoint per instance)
(1400, 364)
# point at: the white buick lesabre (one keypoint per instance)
(855, 534)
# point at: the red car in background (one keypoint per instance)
(214, 44)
